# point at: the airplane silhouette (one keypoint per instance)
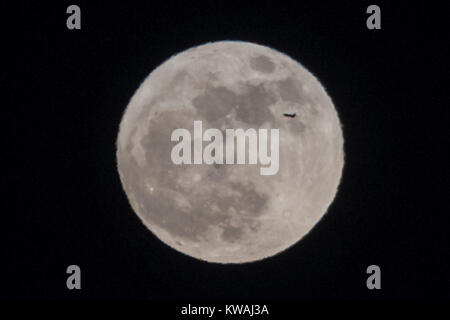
(290, 115)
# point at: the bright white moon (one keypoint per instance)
(230, 213)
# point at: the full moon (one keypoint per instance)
(230, 213)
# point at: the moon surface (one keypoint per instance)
(230, 213)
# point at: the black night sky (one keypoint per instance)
(66, 92)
